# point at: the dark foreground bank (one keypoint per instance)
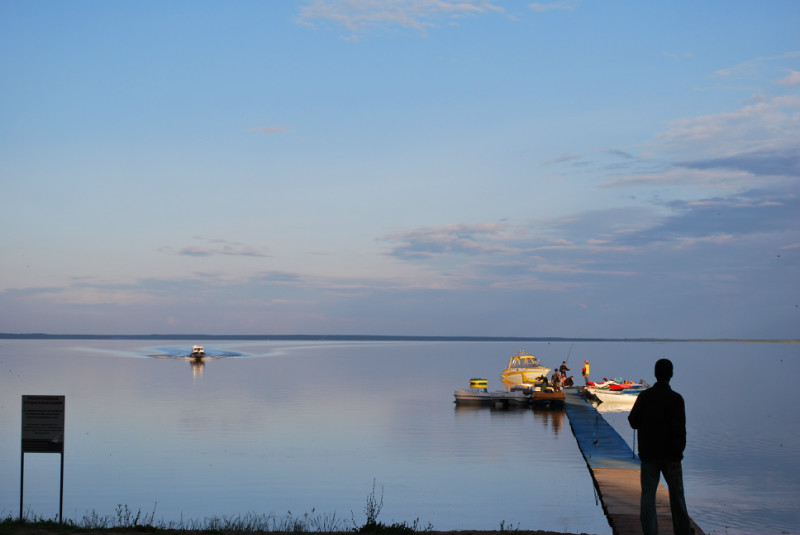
(10, 526)
(39, 529)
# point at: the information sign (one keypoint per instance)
(43, 424)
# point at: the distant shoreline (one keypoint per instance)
(364, 338)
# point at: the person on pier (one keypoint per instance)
(585, 372)
(659, 416)
(556, 381)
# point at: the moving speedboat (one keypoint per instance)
(524, 368)
(198, 352)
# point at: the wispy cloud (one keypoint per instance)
(215, 247)
(271, 130)
(359, 15)
(790, 80)
(566, 158)
(726, 150)
(563, 5)
(672, 55)
(768, 216)
(753, 67)
(464, 239)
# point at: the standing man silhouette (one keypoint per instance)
(659, 415)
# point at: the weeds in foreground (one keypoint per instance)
(127, 519)
(504, 529)
(372, 509)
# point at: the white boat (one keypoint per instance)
(473, 396)
(516, 397)
(524, 368)
(198, 352)
(616, 391)
(615, 396)
(512, 398)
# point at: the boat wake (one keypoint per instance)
(184, 353)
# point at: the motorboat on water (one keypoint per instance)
(616, 390)
(472, 396)
(524, 368)
(511, 398)
(499, 398)
(198, 352)
(478, 394)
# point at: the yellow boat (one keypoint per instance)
(523, 368)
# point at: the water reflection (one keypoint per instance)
(198, 365)
(273, 427)
(197, 362)
(550, 417)
(547, 417)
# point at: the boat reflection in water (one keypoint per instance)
(548, 417)
(198, 365)
(197, 356)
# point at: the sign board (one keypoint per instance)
(43, 424)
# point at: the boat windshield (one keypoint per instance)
(524, 362)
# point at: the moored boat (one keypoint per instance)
(511, 398)
(477, 394)
(617, 396)
(616, 391)
(524, 368)
(553, 398)
(472, 396)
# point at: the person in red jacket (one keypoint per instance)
(659, 416)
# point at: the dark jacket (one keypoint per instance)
(660, 416)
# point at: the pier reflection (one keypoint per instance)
(548, 417)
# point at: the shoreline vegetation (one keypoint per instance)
(367, 338)
(250, 524)
(126, 521)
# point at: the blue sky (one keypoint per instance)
(426, 167)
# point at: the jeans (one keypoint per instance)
(673, 476)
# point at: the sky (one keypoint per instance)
(567, 168)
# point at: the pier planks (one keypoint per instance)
(615, 469)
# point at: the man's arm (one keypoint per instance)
(635, 416)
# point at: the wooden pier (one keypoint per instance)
(615, 469)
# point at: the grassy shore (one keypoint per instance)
(127, 521)
(55, 528)
(234, 527)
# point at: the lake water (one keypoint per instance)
(273, 427)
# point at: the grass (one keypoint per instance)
(126, 519)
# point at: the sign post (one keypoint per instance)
(42, 432)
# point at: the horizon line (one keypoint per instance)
(370, 337)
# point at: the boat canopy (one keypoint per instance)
(524, 361)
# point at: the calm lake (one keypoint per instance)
(279, 427)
